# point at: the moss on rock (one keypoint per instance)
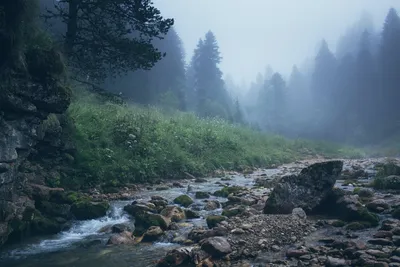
(213, 220)
(183, 200)
(227, 190)
(87, 210)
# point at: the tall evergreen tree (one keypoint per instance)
(366, 88)
(168, 75)
(110, 37)
(212, 97)
(390, 78)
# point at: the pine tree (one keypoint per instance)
(110, 37)
(168, 75)
(238, 116)
(389, 77)
(366, 90)
(212, 97)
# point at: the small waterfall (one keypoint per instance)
(80, 230)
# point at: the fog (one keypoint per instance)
(325, 70)
(252, 34)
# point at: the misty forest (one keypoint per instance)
(123, 145)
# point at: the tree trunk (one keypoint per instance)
(72, 25)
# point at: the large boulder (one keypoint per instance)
(347, 207)
(87, 210)
(216, 246)
(305, 190)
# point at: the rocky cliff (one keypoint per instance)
(31, 91)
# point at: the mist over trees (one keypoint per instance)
(350, 95)
(347, 94)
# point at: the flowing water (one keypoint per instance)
(83, 245)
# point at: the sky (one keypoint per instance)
(255, 33)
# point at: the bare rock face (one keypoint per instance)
(305, 190)
(30, 93)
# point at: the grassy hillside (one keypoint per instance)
(121, 143)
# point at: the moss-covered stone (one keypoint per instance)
(87, 210)
(183, 200)
(191, 214)
(213, 220)
(391, 182)
(368, 217)
(202, 195)
(356, 226)
(232, 211)
(364, 193)
(227, 190)
(396, 213)
(338, 223)
(147, 219)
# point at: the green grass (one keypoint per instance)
(121, 143)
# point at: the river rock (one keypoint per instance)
(147, 219)
(388, 182)
(213, 220)
(349, 208)
(306, 190)
(124, 238)
(212, 205)
(335, 262)
(299, 213)
(152, 234)
(87, 210)
(137, 208)
(378, 205)
(365, 193)
(121, 227)
(216, 246)
(202, 195)
(199, 234)
(183, 200)
(191, 214)
(173, 213)
(186, 256)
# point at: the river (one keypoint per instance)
(83, 245)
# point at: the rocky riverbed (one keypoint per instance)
(323, 215)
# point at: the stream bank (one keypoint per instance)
(256, 239)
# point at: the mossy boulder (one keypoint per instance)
(191, 214)
(338, 223)
(356, 226)
(233, 211)
(184, 200)
(363, 192)
(147, 219)
(54, 209)
(391, 182)
(87, 210)
(350, 209)
(202, 195)
(213, 220)
(387, 169)
(227, 190)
